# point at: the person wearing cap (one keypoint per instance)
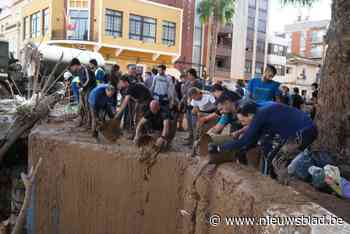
(101, 102)
(67, 77)
(271, 121)
(100, 74)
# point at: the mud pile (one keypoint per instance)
(89, 188)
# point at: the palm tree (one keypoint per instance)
(333, 113)
(215, 13)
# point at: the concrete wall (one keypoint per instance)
(89, 188)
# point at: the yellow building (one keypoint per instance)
(125, 32)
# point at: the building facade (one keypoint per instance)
(302, 73)
(242, 44)
(277, 55)
(11, 26)
(130, 32)
(193, 34)
(306, 38)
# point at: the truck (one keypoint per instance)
(13, 80)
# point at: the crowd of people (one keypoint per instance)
(155, 102)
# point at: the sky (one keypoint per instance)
(4, 3)
(282, 15)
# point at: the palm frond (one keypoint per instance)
(221, 10)
(299, 2)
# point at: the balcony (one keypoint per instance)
(228, 28)
(62, 35)
(224, 50)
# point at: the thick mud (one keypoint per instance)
(87, 186)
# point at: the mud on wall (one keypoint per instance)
(85, 188)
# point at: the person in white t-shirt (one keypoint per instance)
(203, 104)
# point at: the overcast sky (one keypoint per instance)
(282, 15)
(3, 3)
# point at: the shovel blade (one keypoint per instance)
(111, 130)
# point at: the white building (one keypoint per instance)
(301, 73)
(242, 45)
(277, 55)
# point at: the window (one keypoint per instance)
(250, 45)
(263, 5)
(262, 15)
(35, 25)
(251, 22)
(316, 51)
(252, 3)
(278, 50)
(114, 23)
(280, 69)
(142, 28)
(248, 66)
(79, 18)
(26, 28)
(259, 68)
(302, 75)
(262, 26)
(169, 33)
(260, 46)
(45, 21)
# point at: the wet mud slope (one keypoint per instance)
(85, 187)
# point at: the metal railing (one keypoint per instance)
(64, 35)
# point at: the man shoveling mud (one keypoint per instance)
(133, 91)
(267, 123)
(156, 120)
(101, 103)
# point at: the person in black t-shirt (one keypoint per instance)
(133, 91)
(297, 100)
(155, 119)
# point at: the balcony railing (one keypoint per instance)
(228, 28)
(223, 69)
(224, 50)
(64, 35)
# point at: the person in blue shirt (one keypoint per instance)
(218, 92)
(100, 74)
(100, 101)
(273, 119)
(265, 89)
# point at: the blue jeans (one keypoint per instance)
(191, 122)
(75, 91)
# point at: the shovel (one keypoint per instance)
(111, 130)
